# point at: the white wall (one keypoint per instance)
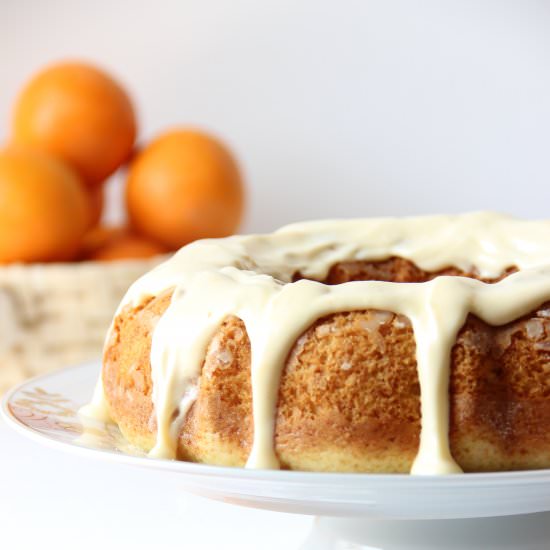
(347, 108)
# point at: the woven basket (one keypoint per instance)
(54, 315)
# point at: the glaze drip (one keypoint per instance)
(251, 277)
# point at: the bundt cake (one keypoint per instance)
(381, 345)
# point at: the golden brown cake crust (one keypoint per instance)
(349, 394)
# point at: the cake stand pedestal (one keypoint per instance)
(525, 532)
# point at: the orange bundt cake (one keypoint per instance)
(382, 345)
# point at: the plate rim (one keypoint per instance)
(184, 468)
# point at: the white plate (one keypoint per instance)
(44, 409)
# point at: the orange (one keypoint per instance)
(97, 201)
(117, 243)
(183, 186)
(44, 208)
(78, 113)
(97, 237)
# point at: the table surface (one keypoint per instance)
(47, 495)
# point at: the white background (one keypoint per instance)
(349, 108)
(335, 108)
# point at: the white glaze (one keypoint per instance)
(250, 277)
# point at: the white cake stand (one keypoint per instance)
(355, 511)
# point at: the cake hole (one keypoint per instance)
(396, 270)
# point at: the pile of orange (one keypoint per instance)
(73, 127)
